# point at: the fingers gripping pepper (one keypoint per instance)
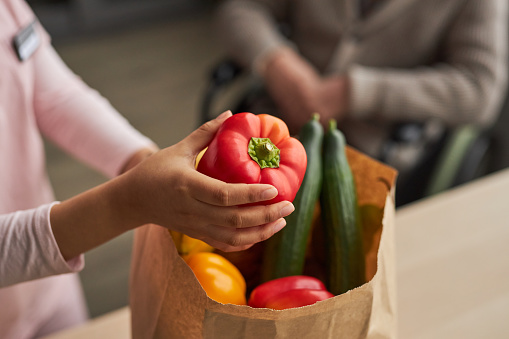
(252, 149)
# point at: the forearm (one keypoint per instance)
(452, 95)
(95, 216)
(89, 220)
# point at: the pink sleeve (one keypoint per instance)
(28, 248)
(78, 119)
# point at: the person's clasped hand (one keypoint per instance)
(165, 189)
(299, 90)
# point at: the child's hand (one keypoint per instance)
(165, 189)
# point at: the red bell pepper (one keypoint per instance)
(252, 149)
(289, 292)
(297, 298)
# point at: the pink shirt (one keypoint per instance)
(42, 97)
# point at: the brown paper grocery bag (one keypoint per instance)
(167, 300)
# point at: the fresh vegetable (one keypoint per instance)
(220, 279)
(253, 149)
(340, 215)
(286, 250)
(288, 292)
(297, 298)
(187, 246)
(199, 156)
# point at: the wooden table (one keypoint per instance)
(114, 325)
(453, 263)
(452, 268)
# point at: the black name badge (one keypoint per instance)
(26, 42)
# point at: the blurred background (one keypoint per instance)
(150, 59)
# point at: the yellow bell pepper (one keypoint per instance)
(199, 156)
(220, 279)
(187, 245)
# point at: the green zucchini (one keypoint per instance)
(286, 251)
(340, 216)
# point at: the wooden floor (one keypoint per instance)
(154, 75)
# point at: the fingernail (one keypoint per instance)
(269, 193)
(224, 115)
(287, 210)
(279, 225)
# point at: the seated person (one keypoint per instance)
(371, 64)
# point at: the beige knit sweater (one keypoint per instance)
(407, 60)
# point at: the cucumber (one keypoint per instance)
(286, 251)
(340, 216)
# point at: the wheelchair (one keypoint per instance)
(454, 157)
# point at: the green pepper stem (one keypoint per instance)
(264, 152)
(333, 124)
